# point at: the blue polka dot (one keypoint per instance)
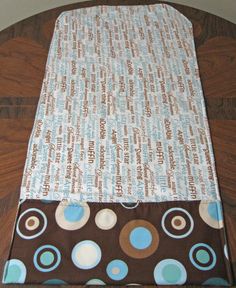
(117, 270)
(140, 238)
(214, 210)
(74, 212)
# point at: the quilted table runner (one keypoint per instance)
(119, 185)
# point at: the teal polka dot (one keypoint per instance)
(47, 258)
(171, 273)
(140, 238)
(214, 210)
(73, 212)
(202, 256)
(95, 282)
(54, 282)
(215, 281)
(14, 272)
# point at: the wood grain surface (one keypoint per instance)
(23, 54)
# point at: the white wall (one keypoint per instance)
(223, 8)
(12, 11)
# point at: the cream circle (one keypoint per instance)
(105, 219)
(181, 220)
(34, 220)
(90, 252)
(115, 270)
(86, 254)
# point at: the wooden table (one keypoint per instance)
(23, 53)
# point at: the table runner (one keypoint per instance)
(119, 185)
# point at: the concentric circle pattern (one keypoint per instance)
(153, 243)
(86, 254)
(72, 215)
(106, 219)
(177, 223)
(202, 256)
(47, 258)
(139, 239)
(117, 269)
(14, 272)
(170, 272)
(211, 214)
(31, 223)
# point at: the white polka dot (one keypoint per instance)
(106, 219)
(86, 254)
